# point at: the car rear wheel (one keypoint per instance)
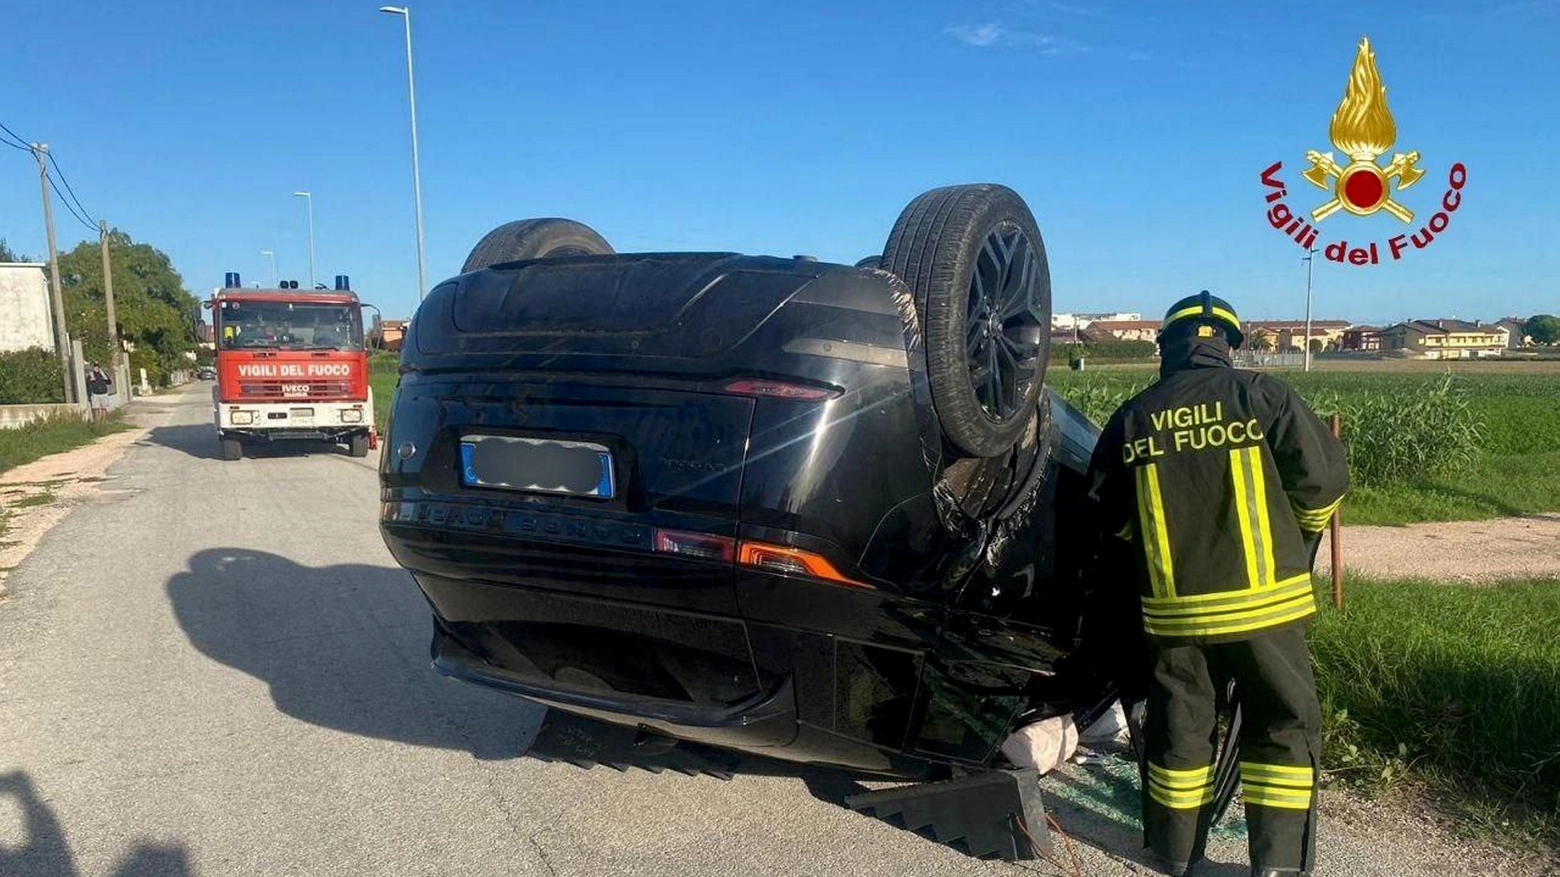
(974, 259)
(535, 239)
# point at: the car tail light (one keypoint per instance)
(779, 390)
(699, 545)
(792, 561)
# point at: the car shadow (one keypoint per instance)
(199, 440)
(345, 647)
(43, 852)
(342, 647)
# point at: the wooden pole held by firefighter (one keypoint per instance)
(1335, 533)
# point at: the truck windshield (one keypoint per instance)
(289, 325)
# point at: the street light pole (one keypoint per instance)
(1310, 260)
(272, 256)
(308, 198)
(411, 90)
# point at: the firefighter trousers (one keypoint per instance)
(1279, 747)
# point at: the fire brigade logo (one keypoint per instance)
(1363, 130)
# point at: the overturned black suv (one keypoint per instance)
(820, 512)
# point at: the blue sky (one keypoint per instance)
(1137, 133)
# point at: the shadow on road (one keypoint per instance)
(199, 440)
(346, 647)
(342, 647)
(42, 851)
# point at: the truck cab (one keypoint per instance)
(291, 365)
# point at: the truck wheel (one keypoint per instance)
(232, 449)
(973, 257)
(535, 239)
(357, 445)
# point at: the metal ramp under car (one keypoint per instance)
(992, 814)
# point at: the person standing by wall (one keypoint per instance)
(99, 387)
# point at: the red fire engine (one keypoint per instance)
(290, 365)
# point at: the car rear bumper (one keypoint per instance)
(766, 720)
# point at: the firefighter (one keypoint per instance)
(1222, 481)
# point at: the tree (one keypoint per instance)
(1543, 329)
(1261, 340)
(1316, 345)
(9, 255)
(156, 315)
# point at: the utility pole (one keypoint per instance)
(108, 296)
(1310, 261)
(61, 337)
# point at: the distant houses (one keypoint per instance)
(1446, 339)
(1286, 335)
(1439, 338)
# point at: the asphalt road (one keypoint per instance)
(220, 670)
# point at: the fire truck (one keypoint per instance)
(290, 366)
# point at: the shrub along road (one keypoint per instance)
(219, 670)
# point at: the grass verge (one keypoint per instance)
(383, 383)
(1452, 687)
(51, 436)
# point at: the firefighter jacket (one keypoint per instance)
(1218, 477)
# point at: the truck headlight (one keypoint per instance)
(351, 415)
(242, 417)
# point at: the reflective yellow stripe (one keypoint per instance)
(1156, 534)
(1243, 515)
(1197, 311)
(1266, 796)
(1219, 600)
(1180, 788)
(1315, 520)
(1180, 800)
(1293, 611)
(1174, 778)
(1257, 772)
(1259, 497)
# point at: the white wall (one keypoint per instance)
(25, 317)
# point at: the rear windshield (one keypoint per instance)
(289, 325)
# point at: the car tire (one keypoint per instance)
(535, 239)
(973, 257)
(357, 446)
(870, 262)
(232, 449)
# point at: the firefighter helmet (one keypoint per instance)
(1204, 310)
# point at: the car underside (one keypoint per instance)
(821, 512)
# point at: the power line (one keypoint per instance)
(21, 142)
(84, 211)
(85, 224)
(79, 210)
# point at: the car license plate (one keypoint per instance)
(537, 465)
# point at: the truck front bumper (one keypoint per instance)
(302, 419)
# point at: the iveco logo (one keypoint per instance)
(694, 465)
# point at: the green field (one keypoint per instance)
(1453, 687)
(382, 377)
(1516, 469)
